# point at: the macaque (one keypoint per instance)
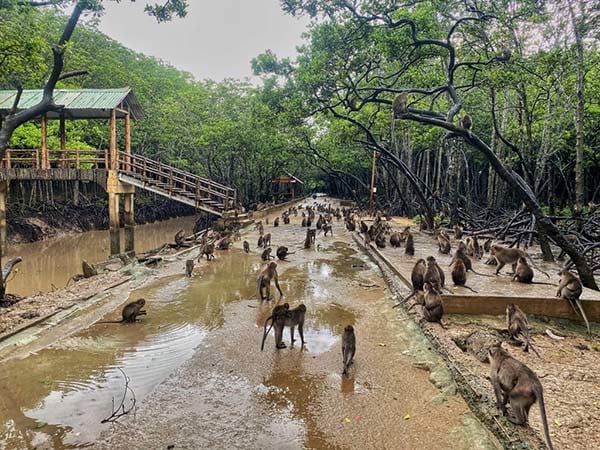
(327, 228)
(189, 267)
(466, 122)
(285, 318)
(396, 240)
(417, 278)
(506, 255)
(364, 228)
(517, 384)
(225, 244)
(444, 246)
(409, 248)
(276, 222)
(304, 221)
(266, 240)
(434, 275)
(246, 246)
(518, 326)
(348, 348)
(266, 254)
(208, 250)
(458, 232)
(310, 238)
(264, 281)
(259, 243)
(524, 273)
(570, 289)
(433, 309)
(130, 312)
(282, 253)
(400, 105)
(459, 274)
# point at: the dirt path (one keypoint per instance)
(230, 395)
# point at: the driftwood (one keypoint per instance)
(6, 270)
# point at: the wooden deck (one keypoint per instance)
(493, 293)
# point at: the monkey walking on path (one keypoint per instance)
(130, 312)
(348, 348)
(281, 317)
(518, 327)
(517, 384)
(264, 281)
(511, 256)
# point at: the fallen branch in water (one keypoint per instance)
(120, 411)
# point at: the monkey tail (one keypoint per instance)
(266, 332)
(534, 265)
(482, 274)
(587, 323)
(537, 388)
(109, 321)
(470, 288)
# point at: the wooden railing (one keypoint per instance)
(57, 159)
(176, 181)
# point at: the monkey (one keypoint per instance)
(279, 312)
(225, 244)
(476, 247)
(434, 275)
(466, 122)
(320, 222)
(460, 253)
(348, 348)
(308, 221)
(510, 256)
(517, 384)
(459, 274)
(267, 220)
(409, 247)
(286, 219)
(266, 240)
(458, 232)
(380, 240)
(208, 250)
(351, 225)
(396, 240)
(303, 221)
(259, 243)
(433, 309)
(310, 238)
(282, 253)
(524, 273)
(276, 222)
(261, 228)
(246, 246)
(189, 267)
(400, 105)
(518, 326)
(363, 227)
(130, 312)
(444, 246)
(327, 228)
(286, 318)
(487, 245)
(570, 289)
(257, 225)
(266, 254)
(264, 281)
(417, 278)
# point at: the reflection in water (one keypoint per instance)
(49, 264)
(61, 394)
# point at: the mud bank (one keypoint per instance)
(25, 224)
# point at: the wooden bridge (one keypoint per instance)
(118, 171)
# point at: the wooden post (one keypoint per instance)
(112, 148)
(128, 141)
(372, 183)
(113, 220)
(129, 222)
(45, 159)
(63, 141)
(3, 193)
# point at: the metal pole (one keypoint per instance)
(372, 182)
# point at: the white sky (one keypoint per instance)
(216, 40)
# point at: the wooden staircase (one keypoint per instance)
(177, 184)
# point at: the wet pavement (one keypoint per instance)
(201, 381)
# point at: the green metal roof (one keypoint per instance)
(79, 103)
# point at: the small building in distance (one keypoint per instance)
(286, 188)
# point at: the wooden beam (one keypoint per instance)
(127, 140)
(112, 148)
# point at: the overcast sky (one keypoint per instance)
(217, 39)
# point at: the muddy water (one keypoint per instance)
(51, 263)
(201, 381)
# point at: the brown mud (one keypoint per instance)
(201, 380)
